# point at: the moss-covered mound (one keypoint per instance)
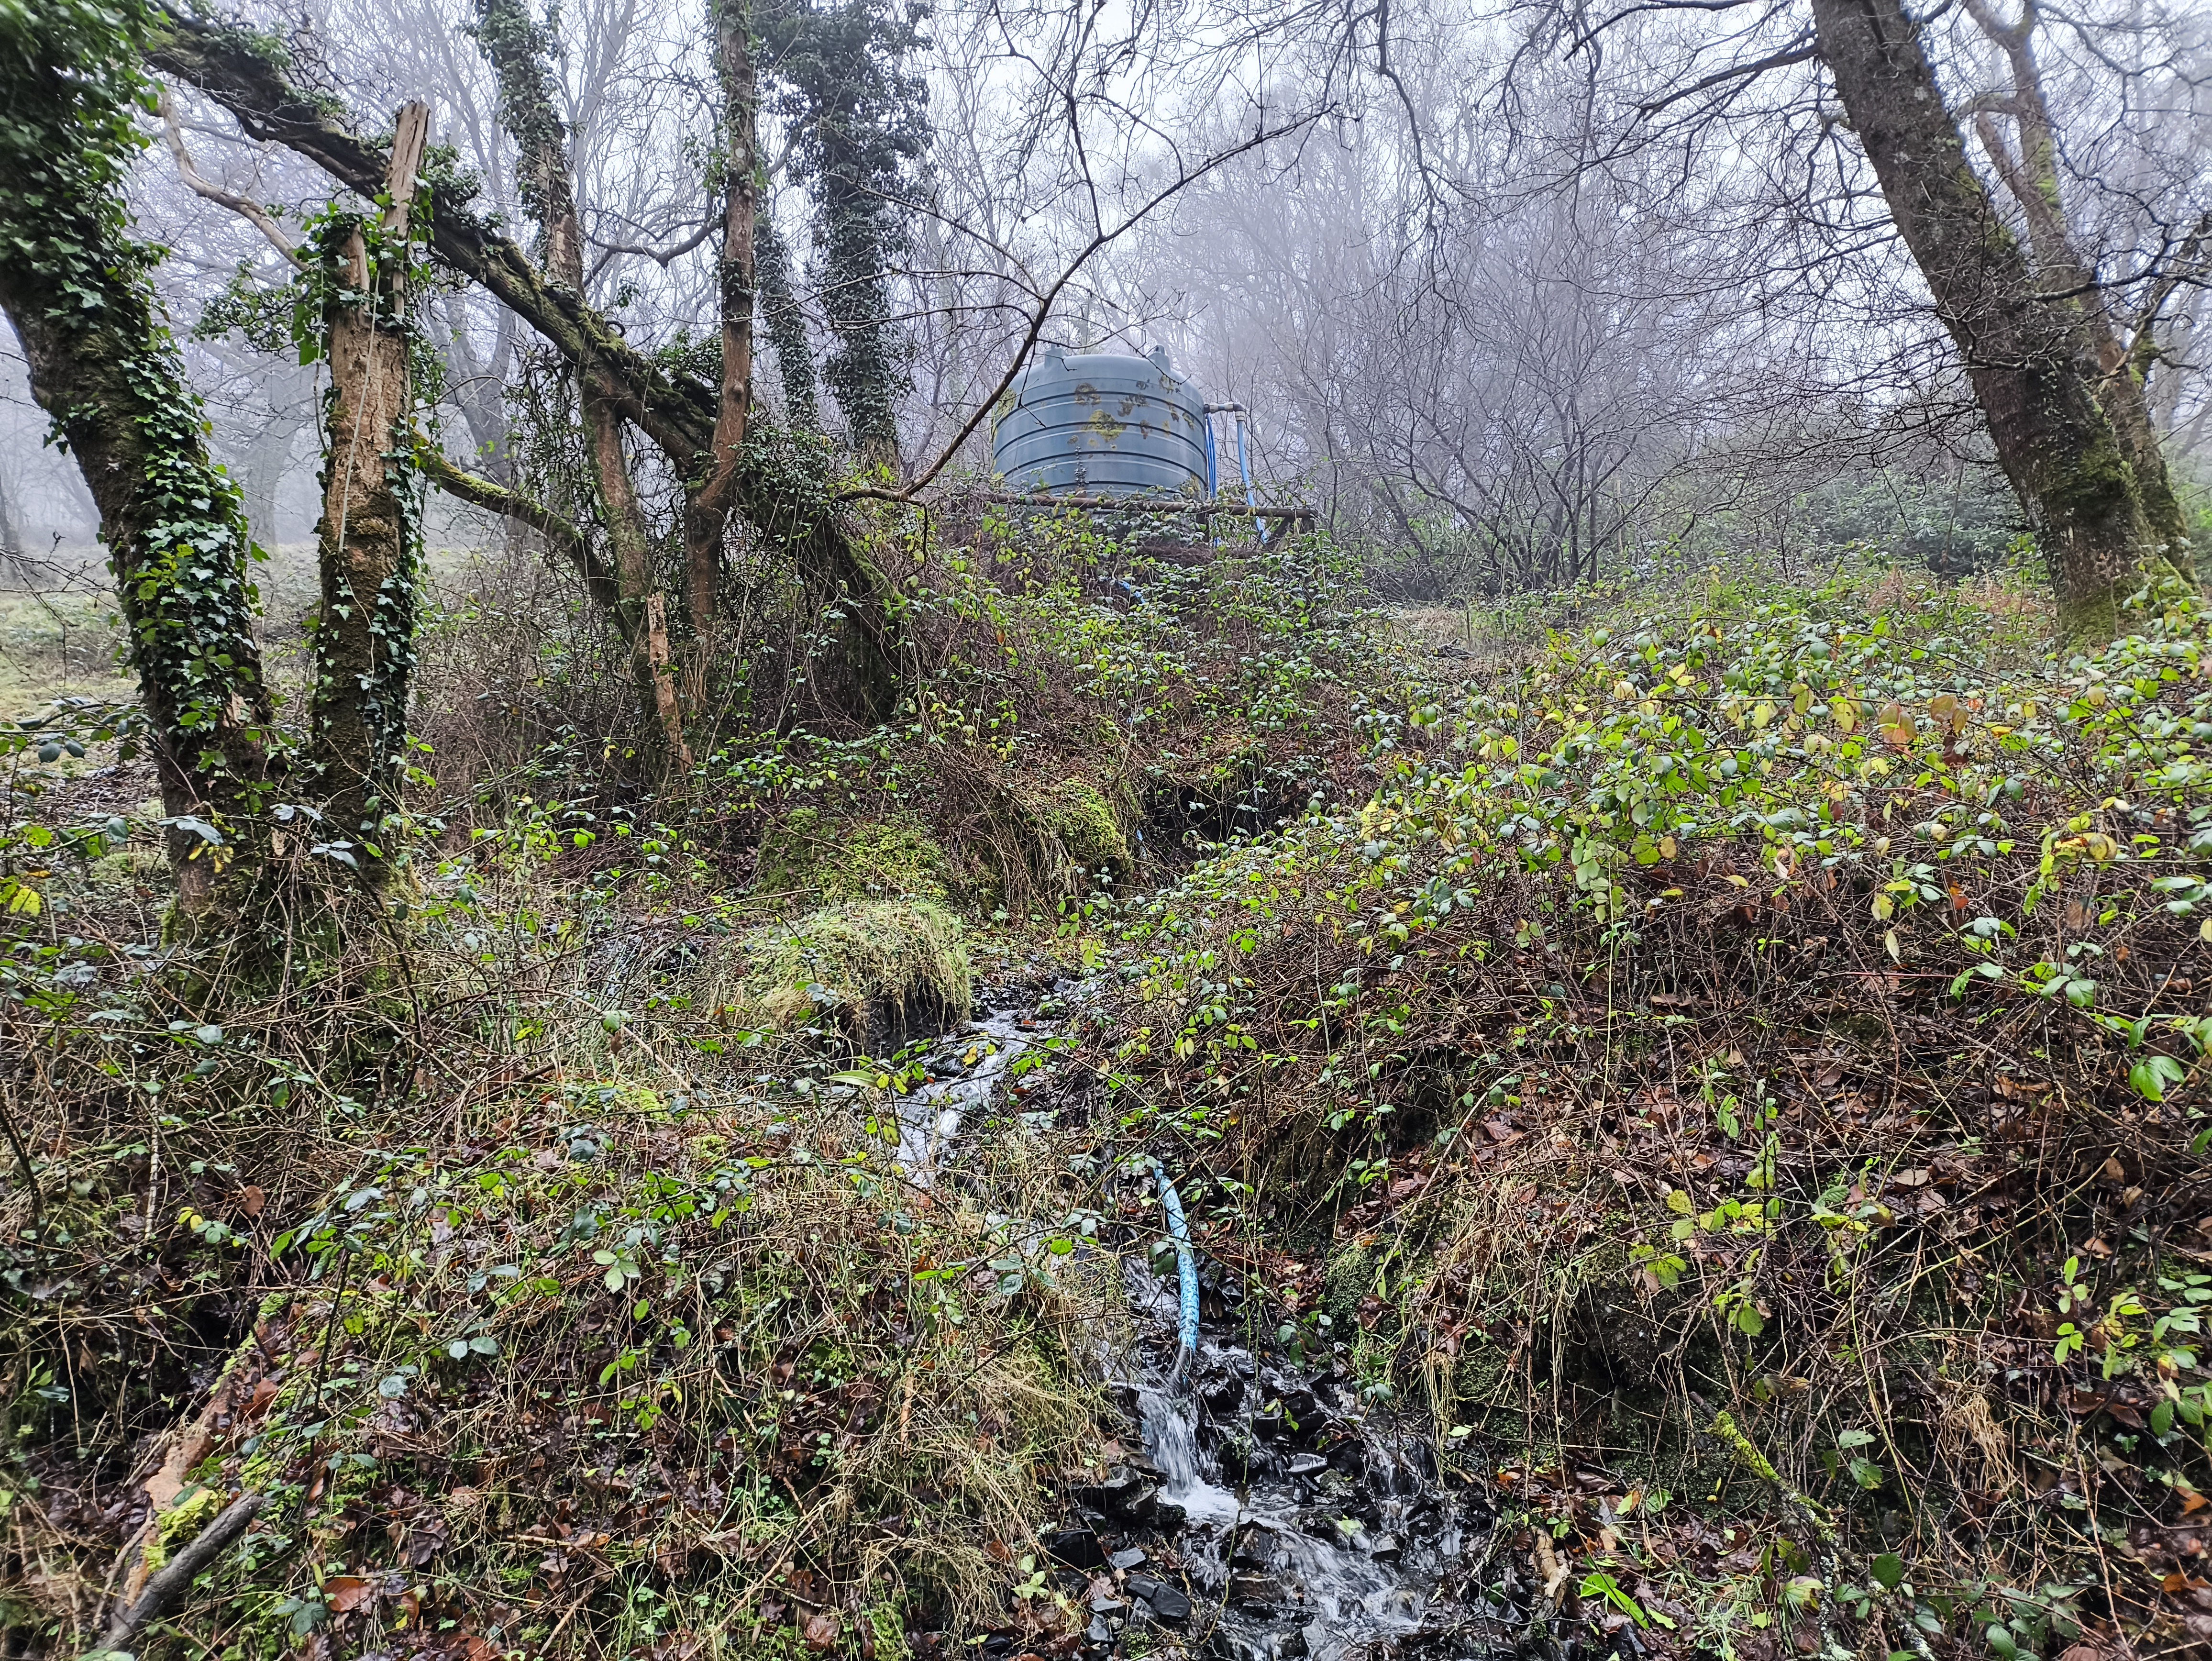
(805, 853)
(1078, 816)
(878, 972)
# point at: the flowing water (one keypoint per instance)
(1274, 1514)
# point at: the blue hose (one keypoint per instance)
(1259, 528)
(1185, 1275)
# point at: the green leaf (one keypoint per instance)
(1888, 1571)
(2161, 1419)
(1604, 1586)
(1749, 1323)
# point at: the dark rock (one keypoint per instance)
(1077, 1547)
(1223, 1392)
(1143, 1585)
(1098, 1632)
(1292, 1645)
(1114, 1495)
(1169, 1603)
(1129, 1557)
(1239, 1457)
(1307, 1464)
(1165, 1514)
(1385, 1549)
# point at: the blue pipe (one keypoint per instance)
(1185, 1275)
(1244, 467)
(1212, 481)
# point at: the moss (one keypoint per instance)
(1348, 1277)
(128, 867)
(879, 972)
(1083, 820)
(882, 858)
(180, 1524)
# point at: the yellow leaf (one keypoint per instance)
(1884, 908)
(1739, 882)
(2205, 929)
(1666, 848)
(1762, 712)
(1677, 1200)
(1895, 951)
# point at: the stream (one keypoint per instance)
(1273, 1514)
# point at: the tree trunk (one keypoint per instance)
(367, 544)
(516, 48)
(73, 282)
(2032, 179)
(785, 497)
(269, 459)
(2024, 354)
(708, 508)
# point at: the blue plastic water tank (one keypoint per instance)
(1101, 424)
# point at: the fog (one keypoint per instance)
(1511, 290)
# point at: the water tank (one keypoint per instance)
(1101, 423)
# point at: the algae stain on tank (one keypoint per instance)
(1101, 423)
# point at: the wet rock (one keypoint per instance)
(1254, 1590)
(1295, 1394)
(1223, 1392)
(1129, 1557)
(1240, 1459)
(1170, 1603)
(1165, 1514)
(1307, 1464)
(1123, 1493)
(1386, 1548)
(1099, 1632)
(1077, 1547)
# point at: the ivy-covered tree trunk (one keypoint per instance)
(517, 48)
(369, 541)
(781, 491)
(2032, 372)
(786, 328)
(860, 116)
(73, 281)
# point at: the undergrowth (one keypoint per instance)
(1742, 1068)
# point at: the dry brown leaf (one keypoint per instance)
(347, 1593)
